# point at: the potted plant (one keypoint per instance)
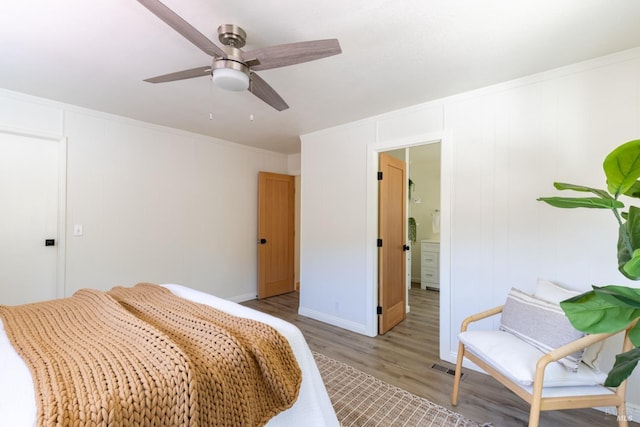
(611, 308)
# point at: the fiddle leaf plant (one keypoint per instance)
(611, 308)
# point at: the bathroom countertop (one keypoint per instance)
(430, 241)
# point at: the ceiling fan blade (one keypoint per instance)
(292, 53)
(262, 90)
(181, 75)
(183, 27)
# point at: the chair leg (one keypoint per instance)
(536, 399)
(621, 411)
(458, 375)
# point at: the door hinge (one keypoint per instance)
(379, 243)
(380, 176)
(379, 310)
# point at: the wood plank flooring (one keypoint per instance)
(405, 355)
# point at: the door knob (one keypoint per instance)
(406, 248)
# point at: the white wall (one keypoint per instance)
(333, 254)
(502, 147)
(156, 204)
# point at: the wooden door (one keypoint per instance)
(392, 245)
(28, 218)
(276, 216)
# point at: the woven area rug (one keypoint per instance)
(362, 400)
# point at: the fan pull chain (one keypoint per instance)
(211, 97)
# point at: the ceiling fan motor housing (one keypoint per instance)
(232, 35)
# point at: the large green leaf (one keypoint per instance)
(631, 268)
(634, 191)
(629, 245)
(622, 296)
(622, 167)
(565, 186)
(634, 335)
(590, 313)
(624, 249)
(582, 202)
(625, 298)
(623, 367)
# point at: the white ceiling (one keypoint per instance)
(395, 53)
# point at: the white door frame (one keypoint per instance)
(445, 230)
(61, 238)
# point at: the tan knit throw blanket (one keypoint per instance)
(143, 357)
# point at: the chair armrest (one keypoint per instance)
(583, 342)
(480, 316)
(574, 346)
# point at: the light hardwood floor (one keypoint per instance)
(405, 355)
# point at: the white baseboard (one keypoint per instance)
(242, 298)
(332, 320)
(633, 412)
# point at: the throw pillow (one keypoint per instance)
(555, 293)
(540, 323)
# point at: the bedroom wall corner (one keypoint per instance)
(161, 205)
(339, 213)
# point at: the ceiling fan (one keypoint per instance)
(232, 68)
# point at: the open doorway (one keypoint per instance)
(424, 215)
(423, 219)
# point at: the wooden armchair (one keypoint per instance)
(476, 346)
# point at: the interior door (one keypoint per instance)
(28, 218)
(276, 225)
(392, 233)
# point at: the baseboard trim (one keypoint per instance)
(242, 298)
(333, 320)
(633, 411)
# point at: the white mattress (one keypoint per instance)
(313, 407)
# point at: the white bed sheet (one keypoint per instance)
(312, 408)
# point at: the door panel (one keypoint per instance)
(392, 231)
(276, 216)
(29, 216)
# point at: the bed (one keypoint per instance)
(312, 406)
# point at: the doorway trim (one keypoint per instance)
(446, 167)
(61, 238)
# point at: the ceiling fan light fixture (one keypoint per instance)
(231, 79)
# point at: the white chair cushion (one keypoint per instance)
(517, 360)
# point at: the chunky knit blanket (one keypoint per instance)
(143, 357)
